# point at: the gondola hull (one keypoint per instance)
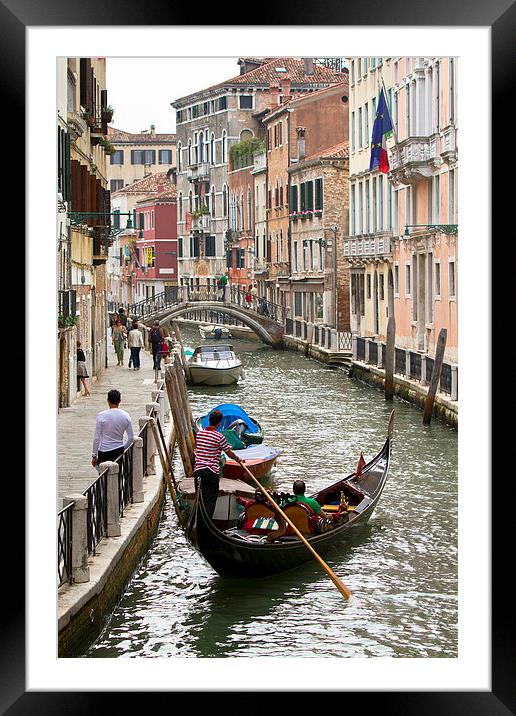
(231, 555)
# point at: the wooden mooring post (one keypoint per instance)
(182, 431)
(436, 375)
(389, 358)
(184, 362)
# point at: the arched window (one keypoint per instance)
(189, 152)
(200, 142)
(180, 206)
(242, 215)
(213, 202)
(249, 209)
(224, 201)
(212, 149)
(190, 202)
(224, 147)
(179, 167)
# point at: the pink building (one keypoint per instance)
(156, 245)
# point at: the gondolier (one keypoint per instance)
(210, 444)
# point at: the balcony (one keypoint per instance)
(198, 172)
(201, 223)
(449, 145)
(365, 245)
(415, 159)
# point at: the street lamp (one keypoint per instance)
(78, 218)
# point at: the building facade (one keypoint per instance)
(319, 189)
(403, 226)
(83, 217)
(138, 155)
(208, 123)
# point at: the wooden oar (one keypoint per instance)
(336, 581)
(167, 471)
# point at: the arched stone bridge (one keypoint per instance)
(263, 317)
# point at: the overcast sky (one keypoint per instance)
(140, 89)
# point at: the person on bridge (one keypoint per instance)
(254, 294)
(223, 283)
(110, 427)
(156, 338)
(209, 445)
(248, 298)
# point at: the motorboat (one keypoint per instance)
(214, 331)
(214, 365)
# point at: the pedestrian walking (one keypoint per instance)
(209, 445)
(119, 335)
(135, 343)
(82, 371)
(123, 317)
(224, 283)
(254, 294)
(110, 427)
(156, 339)
(248, 298)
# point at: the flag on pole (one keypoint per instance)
(361, 464)
(382, 130)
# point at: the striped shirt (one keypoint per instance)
(209, 444)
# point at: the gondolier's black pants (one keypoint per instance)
(209, 482)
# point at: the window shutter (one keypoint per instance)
(303, 196)
(318, 194)
(85, 66)
(310, 195)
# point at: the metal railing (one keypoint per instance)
(259, 305)
(420, 366)
(96, 512)
(125, 479)
(64, 545)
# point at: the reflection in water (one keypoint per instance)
(401, 568)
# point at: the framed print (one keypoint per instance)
(128, 30)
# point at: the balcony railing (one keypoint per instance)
(415, 159)
(198, 172)
(377, 244)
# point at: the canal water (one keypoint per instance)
(401, 570)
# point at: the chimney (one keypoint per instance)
(285, 88)
(300, 143)
(153, 130)
(274, 91)
(309, 66)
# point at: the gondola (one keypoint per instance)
(232, 552)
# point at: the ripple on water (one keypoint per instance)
(402, 570)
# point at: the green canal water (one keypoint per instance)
(401, 570)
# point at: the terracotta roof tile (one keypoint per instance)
(118, 135)
(338, 151)
(148, 185)
(267, 74)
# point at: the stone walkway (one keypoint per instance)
(76, 424)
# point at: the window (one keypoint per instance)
(224, 201)
(298, 303)
(116, 218)
(116, 184)
(212, 202)
(375, 206)
(415, 282)
(380, 202)
(437, 274)
(382, 287)
(143, 156)
(293, 199)
(396, 279)
(194, 246)
(165, 156)
(368, 285)
(295, 256)
(352, 131)
(451, 196)
(180, 217)
(353, 212)
(222, 103)
(451, 82)
(407, 111)
(117, 157)
(437, 199)
(224, 147)
(210, 245)
(152, 219)
(179, 158)
(360, 210)
(451, 279)
(360, 128)
(212, 149)
(429, 288)
(366, 111)
(310, 195)
(352, 72)
(408, 287)
(368, 206)
(318, 193)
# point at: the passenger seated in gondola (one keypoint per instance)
(258, 513)
(299, 488)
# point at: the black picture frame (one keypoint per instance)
(500, 16)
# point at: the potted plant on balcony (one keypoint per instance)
(107, 113)
(107, 146)
(199, 213)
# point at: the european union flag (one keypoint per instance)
(382, 130)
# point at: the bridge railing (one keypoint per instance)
(206, 292)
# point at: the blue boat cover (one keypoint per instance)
(231, 412)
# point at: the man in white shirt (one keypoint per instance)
(111, 425)
(135, 344)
